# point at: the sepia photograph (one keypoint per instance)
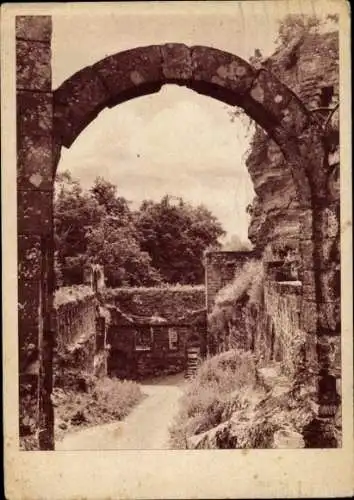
(179, 226)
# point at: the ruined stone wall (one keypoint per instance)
(220, 269)
(170, 302)
(282, 327)
(48, 120)
(79, 335)
(155, 312)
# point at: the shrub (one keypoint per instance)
(106, 401)
(209, 397)
(117, 396)
(244, 282)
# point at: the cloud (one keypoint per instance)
(174, 142)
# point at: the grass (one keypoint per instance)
(106, 401)
(227, 398)
(210, 398)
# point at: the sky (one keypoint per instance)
(176, 141)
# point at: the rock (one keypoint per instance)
(286, 438)
(217, 438)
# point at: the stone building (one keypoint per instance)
(153, 331)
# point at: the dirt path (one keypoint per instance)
(145, 428)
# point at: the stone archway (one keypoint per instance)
(48, 120)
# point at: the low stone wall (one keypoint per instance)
(80, 332)
(170, 302)
(220, 269)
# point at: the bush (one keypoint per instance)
(246, 288)
(106, 401)
(210, 397)
(117, 396)
(249, 279)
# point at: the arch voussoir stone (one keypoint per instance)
(279, 103)
(131, 73)
(222, 69)
(77, 102)
(176, 63)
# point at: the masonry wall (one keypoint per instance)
(156, 311)
(126, 361)
(79, 336)
(170, 302)
(220, 269)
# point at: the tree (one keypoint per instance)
(175, 235)
(118, 250)
(105, 193)
(295, 25)
(97, 226)
(162, 241)
(75, 213)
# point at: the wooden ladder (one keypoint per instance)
(193, 361)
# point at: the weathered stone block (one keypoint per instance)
(308, 316)
(330, 284)
(282, 106)
(127, 71)
(327, 221)
(34, 214)
(286, 438)
(330, 317)
(35, 162)
(76, 102)
(176, 62)
(34, 113)
(33, 69)
(28, 304)
(213, 66)
(29, 257)
(329, 354)
(34, 28)
(308, 285)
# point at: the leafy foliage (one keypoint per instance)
(105, 400)
(294, 25)
(161, 242)
(175, 236)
